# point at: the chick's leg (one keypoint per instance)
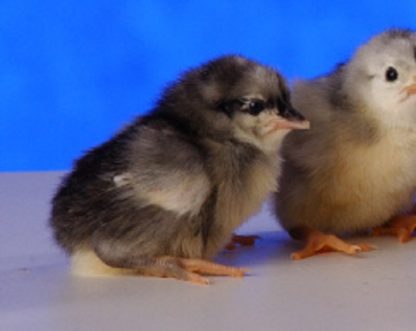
(318, 242)
(400, 226)
(241, 240)
(115, 255)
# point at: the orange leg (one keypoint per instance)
(189, 269)
(318, 242)
(400, 226)
(241, 240)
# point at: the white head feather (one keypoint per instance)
(381, 78)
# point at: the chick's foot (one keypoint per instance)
(242, 241)
(190, 269)
(401, 226)
(318, 242)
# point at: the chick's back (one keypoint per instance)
(139, 186)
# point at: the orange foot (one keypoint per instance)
(318, 242)
(400, 226)
(241, 240)
(189, 269)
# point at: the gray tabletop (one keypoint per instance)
(373, 291)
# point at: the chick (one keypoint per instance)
(165, 194)
(356, 168)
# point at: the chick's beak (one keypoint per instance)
(290, 118)
(410, 90)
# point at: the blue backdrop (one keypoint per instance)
(74, 72)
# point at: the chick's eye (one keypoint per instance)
(255, 107)
(391, 74)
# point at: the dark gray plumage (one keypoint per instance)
(169, 189)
